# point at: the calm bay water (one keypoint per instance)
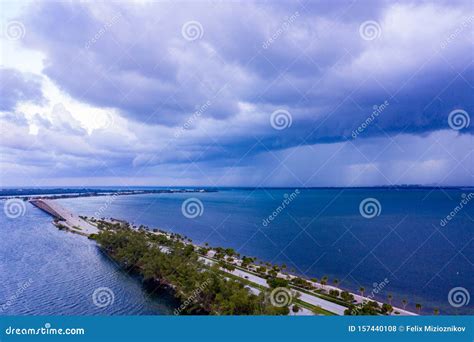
(320, 232)
(45, 271)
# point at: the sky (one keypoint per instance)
(220, 93)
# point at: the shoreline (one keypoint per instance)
(102, 193)
(318, 294)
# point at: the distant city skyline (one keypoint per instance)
(254, 94)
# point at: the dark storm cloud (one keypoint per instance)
(250, 59)
(319, 68)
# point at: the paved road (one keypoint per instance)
(325, 304)
(69, 219)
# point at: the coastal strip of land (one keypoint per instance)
(316, 301)
(64, 218)
(67, 193)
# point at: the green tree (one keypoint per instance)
(387, 308)
(203, 288)
(347, 297)
(324, 281)
(277, 282)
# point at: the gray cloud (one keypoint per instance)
(308, 58)
(16, 86)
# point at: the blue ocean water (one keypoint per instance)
(316, 232)
(45, 271)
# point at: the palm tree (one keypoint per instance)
(335, 281)
(362, 290)
(436, 311)
(418, 307)
(390, 297)
(324, 281)
(404, 303)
